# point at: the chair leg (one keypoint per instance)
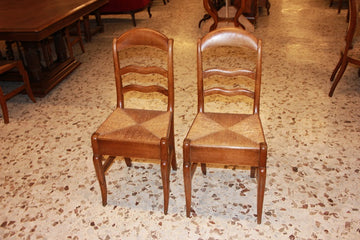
(133, 18)
(187, 176)
(338, 77)
(128, 161)
(165, 173)
(336, 69)
(252, 172)
(203, 168)
(261, 179)
(4, 107)
(101, 177)
(340, 5)
(268, 5)
(149, 11)
(87, 31)
(25, 77)
(78, 31)
(260, 192)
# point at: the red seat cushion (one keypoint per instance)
(114, 6)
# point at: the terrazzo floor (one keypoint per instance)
(48, 187)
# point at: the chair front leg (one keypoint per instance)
(187, 175)
(100, 173)
(261, 179)
(165, 172)
(172, 150)
(260, 192)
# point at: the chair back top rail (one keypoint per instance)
(149, 38)
(233, 37)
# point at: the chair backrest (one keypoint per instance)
(230, 37)
(144, 37)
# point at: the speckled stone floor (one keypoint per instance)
(48, 187)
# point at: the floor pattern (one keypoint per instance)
(48, 186)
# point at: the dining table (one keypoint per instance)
(37, 28)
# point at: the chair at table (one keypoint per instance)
(350, 54)
(6, 66)
(225, 137)
(72, 39)
(139, 133)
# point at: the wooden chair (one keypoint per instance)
(6, 66)
(213, 11)
(348, 54)
(222, 137)
(71, 40)
(140, 133)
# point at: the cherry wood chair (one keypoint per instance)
(213, 11)
(350, 53)
(220, 137)
(72, 39)
(140, 133)
(7, 66)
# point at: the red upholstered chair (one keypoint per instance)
(126, 7)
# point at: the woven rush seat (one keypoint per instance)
(140, 128)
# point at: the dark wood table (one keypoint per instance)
(37, 25)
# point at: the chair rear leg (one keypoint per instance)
(252, 172)
(203, 168)
(128, 161)
(338, 77)
(4, 107)
(172, 150)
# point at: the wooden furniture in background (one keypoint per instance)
(38, 25)
(141, 133)
(6, 66)
(72, 39)
(220, 137)
(213, 12)
(249, 10)
(126, 7)
(350, 52)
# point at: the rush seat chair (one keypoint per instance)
(220, 137)
(139, 133)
